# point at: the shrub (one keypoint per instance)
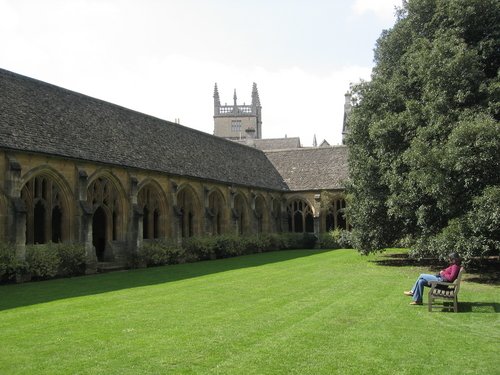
(330, 240)
(226, 246)
(199, 248)
(345, 239)
(10, 266)
(309, 240)
(157, 253)
(43, 260)
(289, 241)
(336, 239)
(72, 258)
(273, 242)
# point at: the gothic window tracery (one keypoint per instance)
(300, 217)
(335, 216)
(186, 203)
(45, 211)
(149, 200)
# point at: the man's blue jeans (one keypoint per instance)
(418, 287)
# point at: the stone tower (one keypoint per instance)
(238, 121)
(347, 111)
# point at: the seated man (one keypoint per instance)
(448, 275)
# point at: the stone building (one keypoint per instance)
(77, 169)
(238, 122)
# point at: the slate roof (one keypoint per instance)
(312, 168)
(39, 117)
(277, 143)
(270, 143)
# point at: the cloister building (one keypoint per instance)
(77, 169)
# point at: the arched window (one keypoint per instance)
(45, 210)
(186, 201)
(335, 215)
(149, 198)
(300, 217)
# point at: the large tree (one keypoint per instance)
(424, 133)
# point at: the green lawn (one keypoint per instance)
(290, 312)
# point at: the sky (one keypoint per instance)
(163, 57)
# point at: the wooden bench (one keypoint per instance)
(444, 291)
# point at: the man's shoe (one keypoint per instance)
(410, 293)
(416, 303)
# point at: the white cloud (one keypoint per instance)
(383, 9)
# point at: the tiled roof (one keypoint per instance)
(266, 144)
(39, 117)
(277, 143)
(312, 168)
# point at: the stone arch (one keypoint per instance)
(335, 214)
(107, 199)
(49, 214)
(189, 208)
(153, 201)
(216, 212)
(261, 213)
(240, 214)
(300, 214)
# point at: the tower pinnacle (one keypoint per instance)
(216, 96)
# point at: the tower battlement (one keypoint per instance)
(238, 121)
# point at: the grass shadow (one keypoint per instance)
(479, 307)
(470, 307)
(17, 295)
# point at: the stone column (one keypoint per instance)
(135, 222)
(177, 215)
(85, 220)
(317, 214)
(208, 216)
(284, 217)
(16, 220)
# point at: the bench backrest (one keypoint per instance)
(458, 279)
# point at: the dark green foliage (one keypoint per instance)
(72, 259)
(10, 266)
(424, 133)
(335, 239)
(477, 233)
(199, 248)
(158, 253)
(43, 260)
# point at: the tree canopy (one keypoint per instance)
(424, 133)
